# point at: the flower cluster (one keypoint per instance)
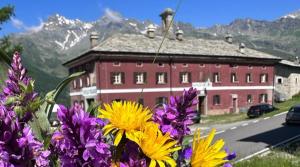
(18, 146)
(176, 116)
(79, 140)
(135, 122)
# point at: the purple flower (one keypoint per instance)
(18, 146)
(79, 140)
(230, 155)
(176, 116)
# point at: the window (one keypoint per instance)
(185, 65)
(116, 63)
(185, 77)
(248, 78)
(263, 98)
(218, 65)
(234, 77)
(75, 84)
(296, 80)
(161, 100)
(279, 80)
(160, 65)
(117, 78)
(201, 65)
(249, 99)
(80, 83)
(161, 78)
(233, 65)
(88, 81)
(82, 104)
(263, 78)
(264, 67)
(141, 101)
(216, 100)
(216, 78)
(139, 64)
(119, 100)
(75, 102)
(250, 66)
(140, 77)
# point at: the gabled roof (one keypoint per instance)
(189, 46)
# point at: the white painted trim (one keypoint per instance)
(176, 89)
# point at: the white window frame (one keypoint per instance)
(249, 78)
(75, 84)
(185, 77)
(117, 78)
(217, 78)
(88, 81)
(249, 100)
(80, 83)
(161, 78)
(277, 78)
(234, 78)
(140, 78)
(263, 78)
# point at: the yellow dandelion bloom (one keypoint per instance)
(124, 117)
(206, 155)
(155, 145)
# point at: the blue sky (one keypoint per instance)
(30, 13)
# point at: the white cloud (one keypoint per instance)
(17, 23)
(20, 25)
(113, 16)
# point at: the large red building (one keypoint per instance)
(229, 77)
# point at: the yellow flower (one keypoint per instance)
(155, 145)
(124, 117)
(205, 155)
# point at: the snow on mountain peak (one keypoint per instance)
(293, 15)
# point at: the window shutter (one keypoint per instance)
(112, 77)
(123, 77)
(166, 77)
(180, 77)
(145, 77)
(190, 77)
(134, 77)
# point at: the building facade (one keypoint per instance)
(229, 77)
(287, 79)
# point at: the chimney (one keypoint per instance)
(151, 31)
(166, 17)
(228, 38)
(242, 48)
(297, 60)
(179, 35)
(93, 39)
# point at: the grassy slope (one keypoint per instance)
(3, 70)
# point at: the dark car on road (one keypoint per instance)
(293, 115)
(260, 109)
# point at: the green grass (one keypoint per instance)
(286, 156)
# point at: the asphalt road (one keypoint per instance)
(252, 137)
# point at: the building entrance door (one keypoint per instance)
(235, 105)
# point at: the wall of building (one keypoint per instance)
(290, 80)
(200, 72)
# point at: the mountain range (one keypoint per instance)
(61, 39)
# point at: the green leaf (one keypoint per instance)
(51, 96)
(40, 123)
(93, 109)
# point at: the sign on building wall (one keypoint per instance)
(89, 91)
